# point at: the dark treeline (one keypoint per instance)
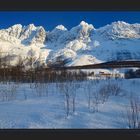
(132, 74)
(36, 72)
(16, 74)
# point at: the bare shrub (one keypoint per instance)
(104, 92)
(8, 92)
(109, 89)
(115, 88)
(41, 89)
(13, 91)
(133, 113)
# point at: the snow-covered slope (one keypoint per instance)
(81, 45)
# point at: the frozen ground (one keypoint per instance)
(45, 106)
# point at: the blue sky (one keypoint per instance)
(50, 19)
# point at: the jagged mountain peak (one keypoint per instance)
(126, 26)
(55, 34)
(120, 30)
(32, 35)
(82, 31)
(15, 26)
(14, 30)
(31, 26)
(120, 23)
(61, 27)
(83, 23)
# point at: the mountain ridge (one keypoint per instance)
(81, 45)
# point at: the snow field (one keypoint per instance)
(47, 109)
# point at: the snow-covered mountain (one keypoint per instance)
(23, 35)
(81, 45)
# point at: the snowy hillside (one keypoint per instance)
(80, 45)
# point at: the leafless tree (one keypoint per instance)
(25, 94)
(39, 89)
(95, 101)
(133, 113)
(65, 88)
(89, 89)
(74, 87)
(0, 57)
(20, 62)
(31, 58)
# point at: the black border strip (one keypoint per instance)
(70, 133)
(69, 5)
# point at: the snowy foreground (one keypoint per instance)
(44, 105)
